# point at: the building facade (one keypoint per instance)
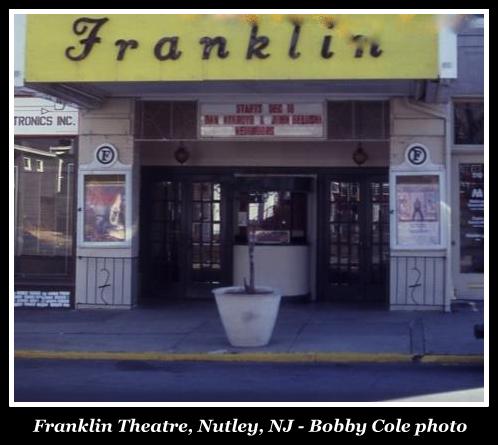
(350, 147)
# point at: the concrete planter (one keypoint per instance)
(248, 319)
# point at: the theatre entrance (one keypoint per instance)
(354, 238)
(184, 248)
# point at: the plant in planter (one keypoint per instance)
(248, 313)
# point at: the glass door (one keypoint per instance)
(162, 240)
(184, 253)
(355, 239)
(345, 241)
(377, 244)
(207, 221)
(468, 226)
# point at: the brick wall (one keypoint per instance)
(42, 299)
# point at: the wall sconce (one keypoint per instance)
(182, 155)
(359, 156)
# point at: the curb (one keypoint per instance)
(268, 357)
(453, 359)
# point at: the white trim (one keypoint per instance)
(19, 49)
(27, 166)
(233, 96)
(39, 165)
(34, 151)
(447, 53)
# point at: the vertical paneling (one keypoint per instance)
(106, 281)
(417, 281)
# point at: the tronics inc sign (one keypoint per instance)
(143, 47)
(38, 116)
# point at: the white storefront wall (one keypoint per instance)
(420, 277)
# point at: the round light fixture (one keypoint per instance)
(359, 156)
(182, 155)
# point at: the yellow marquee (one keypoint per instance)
(146, 47)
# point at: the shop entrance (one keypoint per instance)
(184, 233)
(354, 232)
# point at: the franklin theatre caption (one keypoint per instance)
(235, 425)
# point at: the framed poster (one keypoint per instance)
(105, 207)
(105, 219)
(417, 211)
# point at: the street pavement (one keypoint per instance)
(304, 331)
(159, 381)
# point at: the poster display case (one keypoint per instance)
(417, 207)
(105, 214)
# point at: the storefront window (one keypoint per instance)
(469, 123)
(44, 197)
(166, 120)
(278, 217)
(358, 120)
(471, 218)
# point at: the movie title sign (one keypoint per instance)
(198, 47)
(262, 120)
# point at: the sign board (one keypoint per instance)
(272, 236)
(261, 120)
(196, 47)
(34, 116)
(417, 155)
(106, 155)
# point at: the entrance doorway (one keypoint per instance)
(354, 232)
(184, 232)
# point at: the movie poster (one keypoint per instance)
(104, 219)
(418, 211)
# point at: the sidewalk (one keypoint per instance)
(304, 331)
